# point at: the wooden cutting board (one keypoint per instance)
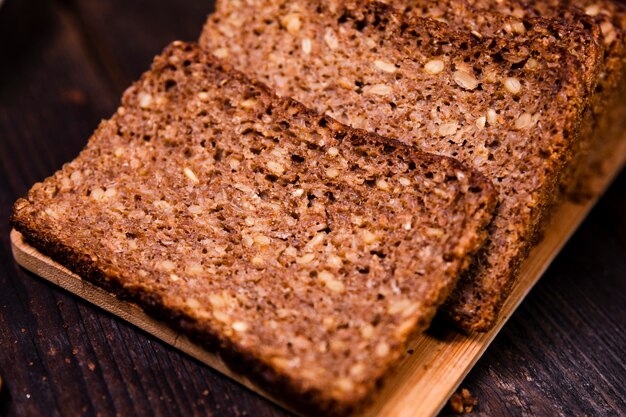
(426, 378)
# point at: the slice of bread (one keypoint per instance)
(302, 250)
(511, 108)
(604, 20)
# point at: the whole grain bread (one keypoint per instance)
(578, 32)
(511, 108)
(305, 252)
(607, 114)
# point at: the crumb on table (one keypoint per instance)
(463, 402)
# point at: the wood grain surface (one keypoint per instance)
(63, 67)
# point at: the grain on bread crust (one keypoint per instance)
(511, 108)
(304, 251)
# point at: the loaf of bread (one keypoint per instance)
(303, 251)
(603, 20)
(509, 106)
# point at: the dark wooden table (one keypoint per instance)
(63, 66)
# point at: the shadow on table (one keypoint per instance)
(4, 398)
(25, 25)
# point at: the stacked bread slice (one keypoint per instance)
(510, 106)
(305, 245)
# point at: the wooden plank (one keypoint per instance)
(425, 379)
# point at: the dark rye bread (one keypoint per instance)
(607, 113)
(578, 33)
(510, 108)
(304, 251)
(609, 17)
